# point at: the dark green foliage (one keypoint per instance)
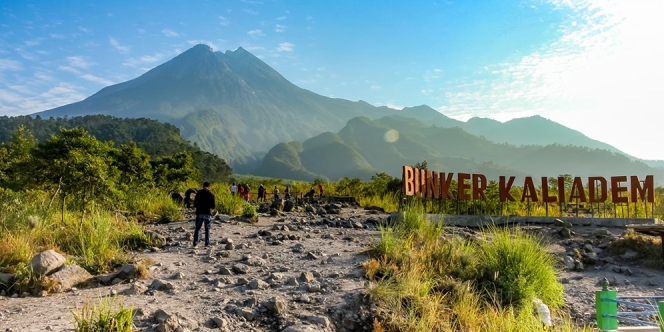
(79, 166)
(154, 138)
(134, 165)
(169, 172)
(15, 156)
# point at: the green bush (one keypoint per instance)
(516, 268)
(169, 211)
(108, 315)
(227, 203)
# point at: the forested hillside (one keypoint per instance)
(155, 138)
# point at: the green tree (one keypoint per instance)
(421, 165)
(15, 159)
(77, 165)
(133, 164)
(170, 172)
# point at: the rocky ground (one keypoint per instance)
(298, 271)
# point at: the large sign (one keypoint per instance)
(425, 183)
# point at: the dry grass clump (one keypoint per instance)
(648, 248)
(424, 282)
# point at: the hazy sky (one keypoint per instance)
(595, 66)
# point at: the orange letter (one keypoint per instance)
(648, 186)
(529, 190)
(408, 185)
(561, 189)
(504, 189)
(423, 182)
(461, 183)
(545, 191)
(479, 185)
(592, 190)
(616, 189)
(416, 183)
(432, 185)
(577, 190)
(445, 183)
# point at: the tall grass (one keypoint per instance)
(227, 203)
(107, 315)
(426, 282)
(389, 202)
(98, 239)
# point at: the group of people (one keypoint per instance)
(205, 203)
(242, 189)
(262, 193)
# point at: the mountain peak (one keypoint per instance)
(200, 48)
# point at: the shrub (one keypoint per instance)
(108, 315)
(170, 211)
(516, 268)
(249, 211)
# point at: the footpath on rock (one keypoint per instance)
(291, 271)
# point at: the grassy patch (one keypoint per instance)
(231, 205)
(389, 202)
(424, 282)
(107, 315)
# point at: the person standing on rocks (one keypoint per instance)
(276, 193)
(205, 205)
(320, 187)
(261, 193)
(287, 193)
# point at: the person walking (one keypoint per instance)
(205, 205)
(233, 189)
(320, 187)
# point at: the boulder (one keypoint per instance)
(70, 276)
(135, 289)
(178, 197)
(258, 284)
(46, 262)
(6, 278)
(160, 285)
(375, 208)
(189, 197)
(128, 271)
(276, 305)
(156, 238)
(288, 206)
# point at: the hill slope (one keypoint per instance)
(155, 138)
(361, 149)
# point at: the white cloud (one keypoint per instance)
(96, 79)
(13, 103)
(8, 64)
(223, 21)
(122, 49)
(170, 33)
(253, 48)
(141, 61)
(78, 62)
(57, 36)
(599, 77)
(281, 18)
(285, 47)
(256, 33)
(280, 28)
(393, 106)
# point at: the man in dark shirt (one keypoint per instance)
(205, 205)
